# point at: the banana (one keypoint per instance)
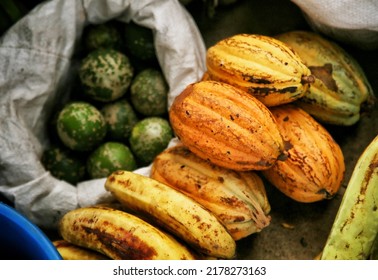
(238, 199)
(356, 224)
(174, 211)
(260, 65)
(69, 251)
(119, 235)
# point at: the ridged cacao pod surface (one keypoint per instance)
(314, 168)
(226, 126)
(341, 88)
(238, 199)
(260, 65)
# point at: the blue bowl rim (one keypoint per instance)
(31, 231)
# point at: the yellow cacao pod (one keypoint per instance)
(226, 126)
(341, 88)
(314, 167)
(237, 199)
(260, 65)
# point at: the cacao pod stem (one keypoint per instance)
(307, 79)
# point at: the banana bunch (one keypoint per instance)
(118, 235)
(238, 199)
(173, 211)
(150, 221)
(340, 90)
(355, 229)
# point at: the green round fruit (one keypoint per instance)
(81, 126)
(104, 35)
(105, 74)
(110, 157)
(149, 93)
(139, 41)
(149, 137)
(63, 164)
(120, 118)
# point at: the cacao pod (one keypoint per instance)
(237, 199)
(341, 88)
(260, 65)
(314, 167)
(226, 126)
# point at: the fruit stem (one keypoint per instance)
(308, 79)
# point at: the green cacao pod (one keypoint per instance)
(341, 90)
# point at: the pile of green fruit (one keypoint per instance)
(117, 116)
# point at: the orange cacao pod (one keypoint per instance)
(226, 126)
(314, 167)
(238, 199)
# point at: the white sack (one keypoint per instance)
(35, 63)
(349, 21)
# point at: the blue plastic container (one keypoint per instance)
(20, 239)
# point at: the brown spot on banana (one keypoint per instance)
(120, 247)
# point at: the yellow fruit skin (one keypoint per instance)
(354, 232)
(314, 168)
(238, 199)
(259, 65)
(223, 124)
(69, 251)
(174, 211)
(341, 89)
(119, 235)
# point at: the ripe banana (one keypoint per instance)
(70, 251)
(238, 199)
(356, 224)
(119, 235)
(340, 89)
(260, 65)
(174, 211)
